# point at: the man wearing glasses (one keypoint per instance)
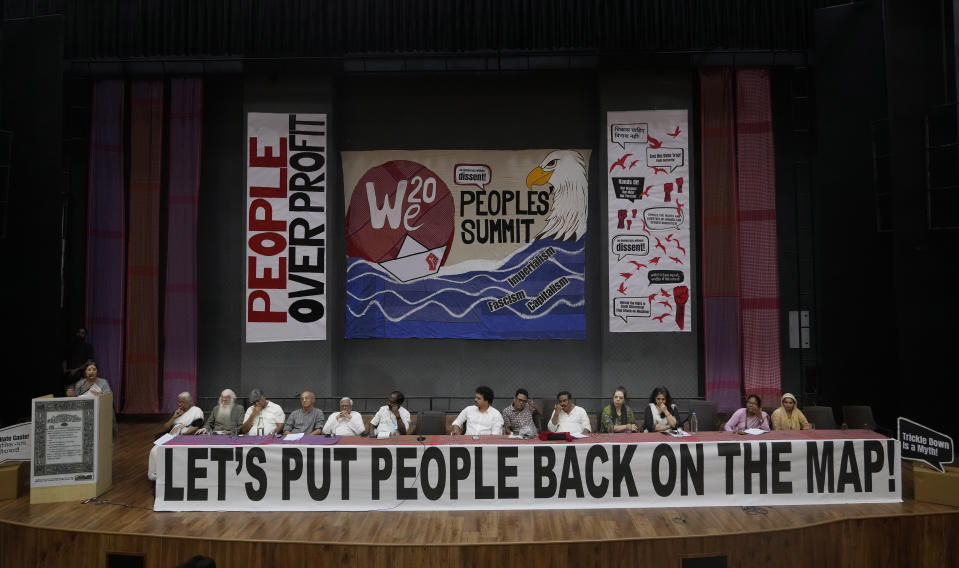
(518, 416)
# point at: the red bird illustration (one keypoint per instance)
(620, 162)
(660, 318)
(669, 237)
(674, 134)
(657, 170)
(651, 298)
(676, 260)
(680, 247)
(633, 163)
(638, 265)
(653, 143)
(664, 293)
(626, 275)
(646, 191)
(654, 260)
(679, 207)
(667, 304)
(622, 288)
(659, 245)
(645, 229)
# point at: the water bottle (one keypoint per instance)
(693, 423)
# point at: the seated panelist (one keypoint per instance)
(391, 419)
(567, 416)
(346, 422)
(307, 419)
(480, 417)
(226, 417)
(262, 415)
(662, 413)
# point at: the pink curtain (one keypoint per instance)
(720, 270)
(143, 253)
(180, 307)
(758, 253)
(106, 237)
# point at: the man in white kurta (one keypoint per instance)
(567, 417)
(480, 418)
(346, 422)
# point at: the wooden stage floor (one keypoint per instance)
(77, 534)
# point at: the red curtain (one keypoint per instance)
(758, 254)
(720, 252)
(180, 308)
(143, 248)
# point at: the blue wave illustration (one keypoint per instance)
(457, 306)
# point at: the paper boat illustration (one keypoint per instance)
(414, 261)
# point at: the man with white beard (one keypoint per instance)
(225, 417)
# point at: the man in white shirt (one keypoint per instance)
(346, 422)
(481, 418)
(262, 416)
(391, 419)
(567, 417)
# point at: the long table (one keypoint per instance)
(318, 473)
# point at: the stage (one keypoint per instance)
(123, 522)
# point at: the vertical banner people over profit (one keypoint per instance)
(285, 264)
(649, 200)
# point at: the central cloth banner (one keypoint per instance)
(296, 477)
(469, 244)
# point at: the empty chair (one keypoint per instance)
(430, 422)
(705, 414)
(821, 416)
(858, 417)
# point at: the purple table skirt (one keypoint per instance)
(211, 440)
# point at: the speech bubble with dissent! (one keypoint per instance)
(623, 134)
(665, 276)
(630, 188)
(662, 218)
(671, 158)
(920, 443)
(479, 175)
(631, 308)
(629, 245)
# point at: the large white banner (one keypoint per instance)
(649, 197)
(285, 264)
(295, 477)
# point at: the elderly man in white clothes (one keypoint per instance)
(567, 417)
(346, 422)
(392, 419)
(186, 419)
(480, 417)
(262, 418)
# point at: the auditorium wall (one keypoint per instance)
(548, 109)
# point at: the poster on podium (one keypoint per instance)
(65, 441)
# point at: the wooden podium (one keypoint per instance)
(72, 441)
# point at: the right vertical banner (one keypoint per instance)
(649, 197)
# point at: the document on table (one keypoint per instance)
(754, 431)
(293, 437)
(163, 439)
(578, 436)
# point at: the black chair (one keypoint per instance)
(821, 416)
(431, 423)
(706, 418)
(856, 417)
